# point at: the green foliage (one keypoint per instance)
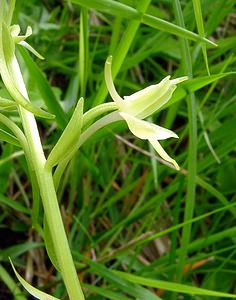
(125, 231)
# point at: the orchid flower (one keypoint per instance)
(134, 108)
(9, 37)
(20, 39)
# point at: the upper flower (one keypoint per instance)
(142, 104)
(20, 39)
(9, 67)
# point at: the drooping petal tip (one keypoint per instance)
(157, 146)
(31, 49)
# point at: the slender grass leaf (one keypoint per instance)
(83, 51)
(197, 83)
(10, 283)
(116, 8)
(199, 20)
(170, 286)
(14, 204)
(111, 7)
(193, 85)
(32, 290)
(105, 292)
(17, 250)
(130, 289)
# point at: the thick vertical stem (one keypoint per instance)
(48, 194)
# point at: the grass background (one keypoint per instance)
(124, 211)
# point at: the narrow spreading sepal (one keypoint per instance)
(157, 146)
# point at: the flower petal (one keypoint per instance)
(31, 49)
(157, 146)
(136, 103)
(178, 80)
(151, 90)
(153, 107)
(145, 102)
(146, 130)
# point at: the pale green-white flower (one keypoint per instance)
(20, 39)
(134, 108)
(9, 67)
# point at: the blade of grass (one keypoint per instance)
(170, 286)
(116, 8)
(83, 51)
(10, 283)
(192, 150)
(106, 292)
(14, 204)
(118, 282)
(200, 27)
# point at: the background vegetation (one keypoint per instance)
(123, 208)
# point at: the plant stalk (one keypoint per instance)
(48, 194)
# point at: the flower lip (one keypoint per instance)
(146, 130)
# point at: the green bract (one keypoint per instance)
(142, 104)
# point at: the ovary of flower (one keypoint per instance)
(142, 104)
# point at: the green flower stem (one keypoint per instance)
(108, 119)
(48, 194)
(98, 110)
(87, 118)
